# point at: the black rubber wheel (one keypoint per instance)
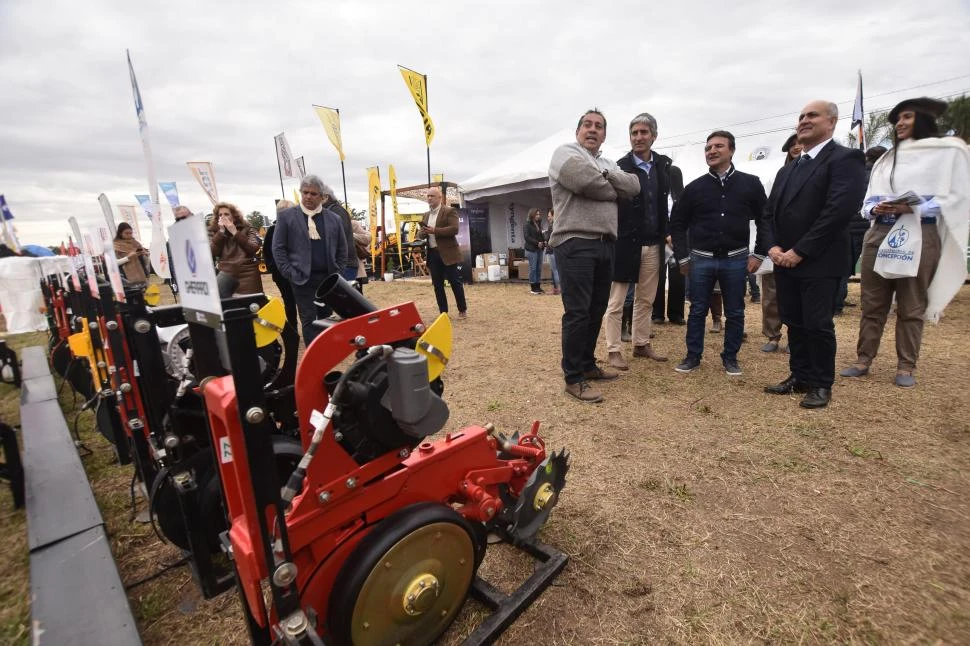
(422, 547)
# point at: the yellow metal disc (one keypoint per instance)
(436, 344)
(269, 322)
(153, 295)
(415, 590)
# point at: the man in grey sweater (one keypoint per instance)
(585, 187)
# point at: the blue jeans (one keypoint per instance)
(730, 273)
(555, 269)
(535, 266)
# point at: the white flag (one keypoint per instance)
(284, 157)
(205, 174)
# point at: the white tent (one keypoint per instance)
(521, 182)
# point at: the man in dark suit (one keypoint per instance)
(305, 255)
(811, 204)
(440, 229)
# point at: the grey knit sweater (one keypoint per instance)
(585, 200)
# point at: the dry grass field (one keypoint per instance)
(697, 508)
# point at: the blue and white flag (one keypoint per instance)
(171, 193)
(146, 205)
(858, 116)
(7, 232)
(158, 250)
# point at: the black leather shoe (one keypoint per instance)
(788, 386)
(816, 398)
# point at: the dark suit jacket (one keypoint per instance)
(812, 214)
(446, 235)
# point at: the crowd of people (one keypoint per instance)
(612, 238)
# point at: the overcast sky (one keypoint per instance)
(220, 79)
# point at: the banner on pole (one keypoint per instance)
(146, 205)
(392, 179)
(158, 234)
(373, 195)
(858, 117)
(284, 156)
(6, 221)
(129, 213)
(301, 166)
(330, 118)
(438, 178)
(171, 193)
(109, 216)
(418, 85)
(205, 175)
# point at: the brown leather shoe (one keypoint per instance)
(584, 392)
(646, 351)
(616, 360)
(598, 374)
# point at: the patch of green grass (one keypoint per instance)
(864, 452)
(493, 406)
(679, 491)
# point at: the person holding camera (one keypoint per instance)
(131, 255)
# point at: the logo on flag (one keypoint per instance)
(301, 166)
(171, 193)
(374, 194)
(205, 174)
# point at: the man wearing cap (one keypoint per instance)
(811, 203)
(585, 186)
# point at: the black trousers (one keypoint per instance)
(674, 296)
(806, 306)
(585, 277)
(439, 272)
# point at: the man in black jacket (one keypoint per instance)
(714, 214)
(812, 202)
(638, 254)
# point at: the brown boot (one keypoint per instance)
(646, 351)
(584, 392)
(616, 360)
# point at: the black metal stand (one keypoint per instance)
(507, 608)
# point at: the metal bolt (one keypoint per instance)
(255, 415)
(351, 483)
(387, 564)
(444, 612)
(410, 598)
(419, 328)
(285, 574)
(360, 341)
(136, 423)
(111, 325)
(404, 453)
(421, 584)
(366, 625)
(253, 307)
(338, 436)
(489, 511)
(171, 441)
(126, 387)
(102, 364)
(93, 325)
(112, 370)
(324, 496)
(142, 326)
(296, 624)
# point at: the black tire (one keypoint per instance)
(367, 556)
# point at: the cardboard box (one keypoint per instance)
(522, 269)
(546, 271)
(504, 272)
(491, 259)
(479, 275)
(480, 260)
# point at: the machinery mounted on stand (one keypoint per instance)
(378, 535)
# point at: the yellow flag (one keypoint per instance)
(374, 195)
(437, 178)
(392, 178)
(418, 84)
(330, 119)
(296, 197)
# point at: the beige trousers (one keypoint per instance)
(645, 292)
(877, 298)
(770, 317)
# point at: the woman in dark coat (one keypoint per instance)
(234, 245)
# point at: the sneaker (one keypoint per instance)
(688, 365)
(716, 326)
(904, 380)
(555, 291)
(756, 299)
(771, 346)
(732, 367)
(584, 392)
(598, 374)
(535, 293)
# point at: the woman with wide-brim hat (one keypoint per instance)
(937, 169)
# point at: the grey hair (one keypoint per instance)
(832, 109)
(645, 118)
(315, 182)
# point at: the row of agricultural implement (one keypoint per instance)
(315, 488)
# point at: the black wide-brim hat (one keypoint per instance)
(789, 143)
(933, 107)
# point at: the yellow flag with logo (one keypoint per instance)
(374, 195)
(418, 84)
(392, 178)
(330, 118)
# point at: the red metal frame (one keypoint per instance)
(342, 501)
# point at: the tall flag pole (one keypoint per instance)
(858, 117)
(158, 250)
(330, 118)
(284, 159)
(418, 85)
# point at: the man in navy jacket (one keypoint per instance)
(304, 255)
(811, 203)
